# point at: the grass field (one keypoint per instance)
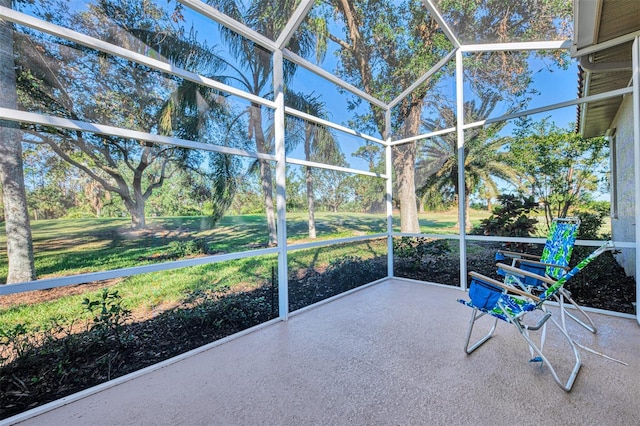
(73, 246)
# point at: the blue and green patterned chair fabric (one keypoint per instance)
(558, 248)
(557, 251)
(493, 301)
(497, 303)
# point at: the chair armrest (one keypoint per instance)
(504, 286)
(518, 255)
(541, 264)
(521, 272)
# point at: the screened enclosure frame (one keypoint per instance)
(280, 159)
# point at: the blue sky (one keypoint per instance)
(554, 85)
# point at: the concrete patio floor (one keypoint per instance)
(389, 354)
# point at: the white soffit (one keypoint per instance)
(587, 19)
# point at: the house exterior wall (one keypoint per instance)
(623, 225)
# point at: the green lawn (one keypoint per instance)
(71, 246)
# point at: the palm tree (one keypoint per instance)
(254, 72)
(484, 157)
(319, 143)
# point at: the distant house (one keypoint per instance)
(604, 37)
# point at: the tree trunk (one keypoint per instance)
(18, 227)
(138, 220)
(137, 204)
(311, 204)
(467, 206)
(309, 179)
(265, 172)
(404, 161)
(405, 154)
(267, 192)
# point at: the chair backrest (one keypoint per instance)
(584, 262)
(557, 251)
(559, 246)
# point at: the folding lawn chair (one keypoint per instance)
(553, 263)
(510, 304)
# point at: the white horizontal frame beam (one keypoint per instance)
(421, 235)
(294, 112)
(299, 162)
(528, 240)
(325, 243)
(332, 78)
(101, 129)
(583, 100)
(37, 24)
(605, 44)
(226, 21)
(424, 136)
(48, 283)
(524, 45)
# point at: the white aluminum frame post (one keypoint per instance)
(462, 196)
(636, 157)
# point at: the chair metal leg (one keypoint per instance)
(564, 294)
(566, 386)
(474, 316)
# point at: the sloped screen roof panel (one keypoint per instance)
(503, 21)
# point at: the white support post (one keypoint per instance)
(389, 191)
(636, 157)
(281, 180)
(461, 194)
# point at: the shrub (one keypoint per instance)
(352, 271)
(111, 316)
(342, 274)
(178, 249)
(16, 342)
(420, 250)
(590, 224)
(510, 219)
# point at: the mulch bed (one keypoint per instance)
(603, 284)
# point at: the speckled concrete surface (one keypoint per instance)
(390, 354)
